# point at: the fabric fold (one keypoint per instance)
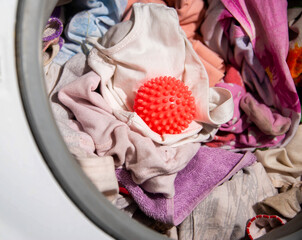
(141, 53)
(254, 39)
(192, 184)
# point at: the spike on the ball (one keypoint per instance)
(165, 104)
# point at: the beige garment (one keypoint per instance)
(287, 204)
(52, 72)
(100, 170)
(50, 53)
(284, 165)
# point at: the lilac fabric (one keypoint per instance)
(253, 36)
(208, 168)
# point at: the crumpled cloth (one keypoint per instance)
(101, 100)
(253, 37)
(191, 14)
(208, 168)
(153, 165)
(223, 214)
(284, 165)
(285, 204)
(100, 170)
(154, 54)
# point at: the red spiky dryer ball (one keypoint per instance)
(166, 105)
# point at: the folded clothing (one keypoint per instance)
(208, 168)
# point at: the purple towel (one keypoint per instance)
(208, 168)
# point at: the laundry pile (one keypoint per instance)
(237, 162)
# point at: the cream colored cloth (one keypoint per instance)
(152, 44)
(50, 53)
(224, 213)
(284, 165)
(287, 203)
(100, 170)
(52, 73)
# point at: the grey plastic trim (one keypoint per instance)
(31, 19)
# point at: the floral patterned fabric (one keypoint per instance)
(253, 37)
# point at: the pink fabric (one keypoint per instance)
(269, 122)
(153, 166)
(233, 76)
(248, 110)
(269, 36)
(191, 14)
(221, 138)
(253, 36)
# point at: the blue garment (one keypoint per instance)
(94, 21)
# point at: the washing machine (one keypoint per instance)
(44, 194)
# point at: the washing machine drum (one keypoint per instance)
(32, 16)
